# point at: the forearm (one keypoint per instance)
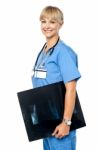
(69, 102)
(63, 128)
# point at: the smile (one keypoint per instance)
(47, 30)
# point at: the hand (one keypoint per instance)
(61, 130)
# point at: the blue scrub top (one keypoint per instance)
(61, 65)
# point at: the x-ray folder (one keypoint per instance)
(42, 109)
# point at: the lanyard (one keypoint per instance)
(51, 51)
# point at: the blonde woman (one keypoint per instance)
(57, 62)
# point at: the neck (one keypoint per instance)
(51, 42)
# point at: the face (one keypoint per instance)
(50, 28)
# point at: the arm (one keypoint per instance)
(62, 129)
(69, 99)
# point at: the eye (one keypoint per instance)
(52, 21)
(43, 21)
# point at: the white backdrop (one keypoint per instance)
(20, 41)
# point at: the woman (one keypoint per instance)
(57, 62)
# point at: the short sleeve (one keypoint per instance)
(67, 61)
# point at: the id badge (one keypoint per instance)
(40, 74)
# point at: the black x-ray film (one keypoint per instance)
(42, 109)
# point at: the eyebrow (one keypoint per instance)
(49, 19)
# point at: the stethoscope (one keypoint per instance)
(50, 50)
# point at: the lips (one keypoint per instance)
(47, 31)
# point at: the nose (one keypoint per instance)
(47, 25)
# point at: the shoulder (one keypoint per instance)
(66, 51)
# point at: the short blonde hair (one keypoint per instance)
(53, 13)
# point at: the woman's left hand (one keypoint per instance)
(61, 130)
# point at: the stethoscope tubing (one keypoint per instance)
(51, 51)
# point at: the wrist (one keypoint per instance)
(67, 121)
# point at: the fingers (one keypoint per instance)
(58, 133)
(61, 130)
(61, 135)
(55, 131)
